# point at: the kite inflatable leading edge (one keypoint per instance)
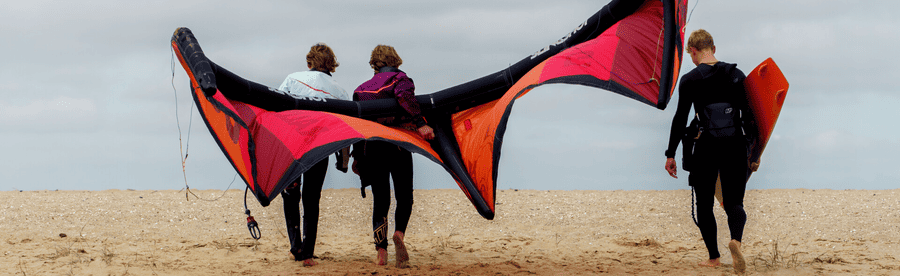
(633, 48)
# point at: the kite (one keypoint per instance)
(633, 48)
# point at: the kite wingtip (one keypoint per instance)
(487, 214)
(195, 62)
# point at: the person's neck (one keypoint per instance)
(320, 70)
(387, 69)
(711, 61)
(707, 57)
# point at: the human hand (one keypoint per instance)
(343, 161)
(754, 165)
(671, 167)
(341, 167)
(426, 132)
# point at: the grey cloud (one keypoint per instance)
(111, 61)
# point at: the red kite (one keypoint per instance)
(633, 48)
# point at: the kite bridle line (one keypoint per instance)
(656, 57)
(181, 146)
(184, 149)
(684, 28)
(691, 13)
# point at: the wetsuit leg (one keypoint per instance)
(313, 180)
(375, 173)
(402, 174)
(734, 183)
(703, 178)
(291, 199)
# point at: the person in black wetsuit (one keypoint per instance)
(379, 162)
(317, 82)
(716, 91)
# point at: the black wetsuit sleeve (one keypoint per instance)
(359, 147)
(681, 116)
(747, 120)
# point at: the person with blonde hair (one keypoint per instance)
(716, 91)
(377, 162)
(315, 83)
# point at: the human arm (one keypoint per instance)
(404, 91)
(343, 158)
(358, 148)
(679, 121)
(676, 132)
(748, 123)
(346, 153)
(358, 152)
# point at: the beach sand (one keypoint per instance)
(125, 232)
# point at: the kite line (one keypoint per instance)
(184, 147)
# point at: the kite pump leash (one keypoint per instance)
(251, 223)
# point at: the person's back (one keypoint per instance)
(392, 83)
(716, 83)
(315, 84)
(718, 97)
(384, 84)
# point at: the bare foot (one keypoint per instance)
(309, 262)
(382, 257)
(710, 263)
(402, 255)
(737, 256)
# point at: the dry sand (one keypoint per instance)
(115, 232)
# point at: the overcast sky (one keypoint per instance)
(89, 98)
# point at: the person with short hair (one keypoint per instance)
(316, 83)
(377, 162)
(716, 91)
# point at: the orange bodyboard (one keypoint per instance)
(766, 89)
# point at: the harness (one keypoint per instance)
(720, 120)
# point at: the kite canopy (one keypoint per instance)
(270, 137)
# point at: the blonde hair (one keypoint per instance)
(701, 39)
(384, 55)
(321, 57)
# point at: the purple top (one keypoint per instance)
(390, 82)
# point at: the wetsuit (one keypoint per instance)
(725, 156)
(303, 243)
(379, 162)
(308, 84)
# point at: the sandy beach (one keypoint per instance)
(125, 232)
